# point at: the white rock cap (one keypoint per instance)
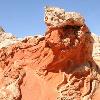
(57, 17)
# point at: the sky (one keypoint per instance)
(26, 17)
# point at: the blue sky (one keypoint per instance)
(26, 17)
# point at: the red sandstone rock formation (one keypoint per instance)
(58, 66)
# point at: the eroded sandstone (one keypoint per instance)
(6, 39)
(58, 66)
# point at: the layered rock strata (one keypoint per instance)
(58, 66)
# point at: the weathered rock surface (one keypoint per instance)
(6, 39)
(57, 17)
(96, 49)
(58, 66)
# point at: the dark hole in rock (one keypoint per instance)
(75, 27)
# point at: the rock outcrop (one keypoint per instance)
(6, 39)
(58, 66)
(96, 49)
(1, 29)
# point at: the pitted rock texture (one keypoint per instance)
(58, 66)
(57, 17)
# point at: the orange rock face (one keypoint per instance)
(58, 66)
